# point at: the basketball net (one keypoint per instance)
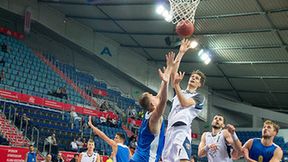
(183, 10)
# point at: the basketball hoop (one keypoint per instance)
(183, 10)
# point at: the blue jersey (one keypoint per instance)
(123, 153)
(31, 157)
(262, 153)
(149, 146)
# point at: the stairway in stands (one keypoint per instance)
(11, 133)
(67, 79)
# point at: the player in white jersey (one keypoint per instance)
(89, 155)
(186, 106)
(220, 144)
(120, 152)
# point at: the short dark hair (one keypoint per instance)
(121, 135)
(31, 145)
(202, 75)
(221, 116)
(76, 155)
(144, 100)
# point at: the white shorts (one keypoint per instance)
(177, 144)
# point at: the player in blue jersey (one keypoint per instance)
(120, 152)
(31, 156)
(263, 149)
(151, 133)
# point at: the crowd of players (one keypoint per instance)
(219, 145)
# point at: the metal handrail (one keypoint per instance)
(32, 136)
(21, 123)
(15, 112)
(26, 126)
(9, 116)
(4, 107)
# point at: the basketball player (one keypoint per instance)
(216, 145)
(185, 107)
(89, 155)
(263, 149)
(151, 133)
(31, 156)
(120, 152)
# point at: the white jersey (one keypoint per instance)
(223, 150)
(187, 114)
(87, 158)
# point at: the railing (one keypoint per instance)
(26, 124)
(32, 136)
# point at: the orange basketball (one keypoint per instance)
(184, 28)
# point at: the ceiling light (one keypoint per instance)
(160, 9)
(193, 44)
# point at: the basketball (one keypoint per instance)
(184, 28)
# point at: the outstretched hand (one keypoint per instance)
(163, 75)
(178, 77)
(185, 45)
(231, 129)
(170, 59)
(90, 122)
(170, 63)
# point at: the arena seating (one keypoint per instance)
(25, 73)
(85, 81)
(50, 121)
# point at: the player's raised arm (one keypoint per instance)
(101, 134)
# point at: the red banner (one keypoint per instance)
(135, 122)
(12, 154)
(99, 92)
(31, 99)
(67, 156)
(9, 94)
(8, 32)
(52, 104)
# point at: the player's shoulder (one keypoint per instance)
(204, 134)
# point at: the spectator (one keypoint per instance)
(51, 142)
(114, 122)
(75, 158)
(84, 144)
(133, 113)
(59, 158)
(63, 93)
(79, 144)
(103, 119)
(104, 106)
(31, 155)
(75, 119)
(48, 158)
(74, 146)
(132, 144)
(52, 139)
(140, 114)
